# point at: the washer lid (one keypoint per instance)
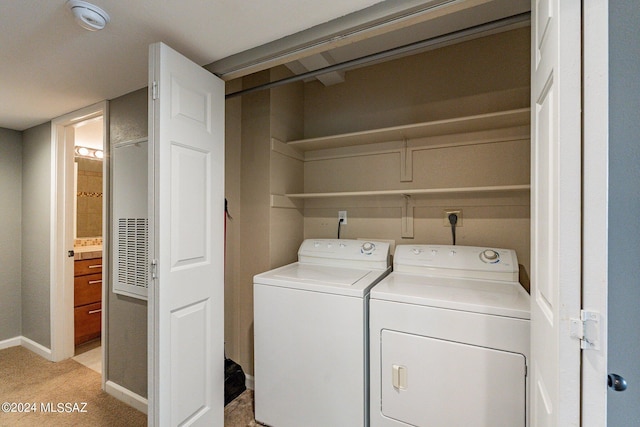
(478, 296)
(322, 278)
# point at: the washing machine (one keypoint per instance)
(311, 334)
(449, 339)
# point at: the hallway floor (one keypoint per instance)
(239, 412)
(57, 394)
(90, 355)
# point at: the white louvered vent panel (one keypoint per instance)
(133, 247)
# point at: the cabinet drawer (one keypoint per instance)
(87, 289)
(87, 322)
(87, 266)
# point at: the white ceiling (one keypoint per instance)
(49, 66)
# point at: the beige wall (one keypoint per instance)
(127, 317)
(286, 172)
(233, 152)
(498, 220)
(481, 76)
(254, 217)
(258, 237)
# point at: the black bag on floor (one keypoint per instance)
(234, 381)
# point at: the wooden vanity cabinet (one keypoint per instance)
(87, 299)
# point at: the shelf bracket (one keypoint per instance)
(406, 162)
(407, 217)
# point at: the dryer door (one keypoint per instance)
(433, 382)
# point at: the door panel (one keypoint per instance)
(189, 369)
(190, 214)
(433, 382)
(186, 159)
(555, 210)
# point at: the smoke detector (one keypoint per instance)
(88, 16)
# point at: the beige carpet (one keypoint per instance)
(67, 387)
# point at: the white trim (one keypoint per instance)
(106, 241)
(27, 343)
(126, 396)
(38, 349)
(249, 382)
(61, 297)
(375, 20)
(595, 204)
(11, 342)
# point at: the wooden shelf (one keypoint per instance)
(503, 119)
(415, 192)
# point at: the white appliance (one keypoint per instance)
(449, 339)
(311, 336)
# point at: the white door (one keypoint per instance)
(555, 211)
(186, 182)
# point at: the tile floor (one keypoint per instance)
(90, 355)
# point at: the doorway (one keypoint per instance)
(88, 206)
(66, 131)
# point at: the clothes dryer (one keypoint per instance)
(449, 339)
(311, 336)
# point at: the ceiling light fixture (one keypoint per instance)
(83, 151)
(88, 16)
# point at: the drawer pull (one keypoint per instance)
(95, 266)
(95, 311)
(93, 282)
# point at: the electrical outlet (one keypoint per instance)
(448, 212)
(342, 215)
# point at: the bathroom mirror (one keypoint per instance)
(88, 197)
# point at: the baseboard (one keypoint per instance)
(11, 342)
(27, 343)
(38, 349)
(249, 382)
(127, 396)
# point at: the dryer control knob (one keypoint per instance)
(490, 256)
(416, 251)
(368, 247)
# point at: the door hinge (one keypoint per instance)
(154, 91)
(587, 330)
(154, 269)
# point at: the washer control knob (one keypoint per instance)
(490, 256)
(343, 245)
(316, 244)
(416, 251)
(452, 252)
(368, 248)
